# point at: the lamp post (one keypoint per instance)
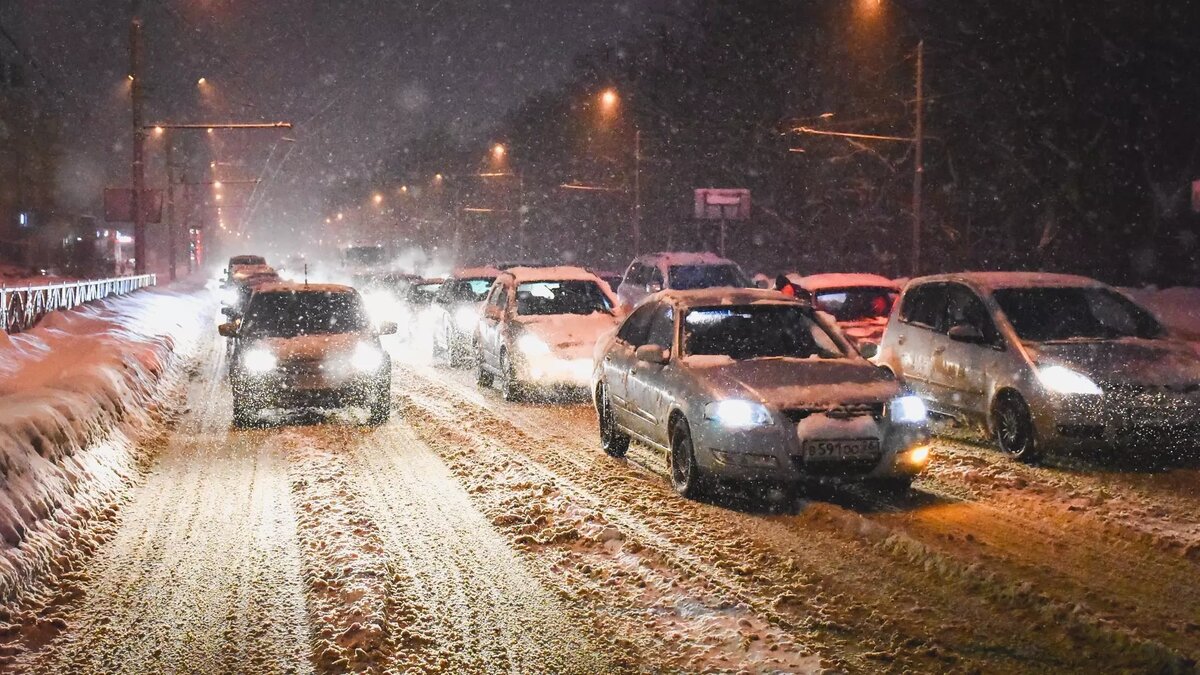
(609, 101)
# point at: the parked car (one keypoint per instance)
(302, 345)
(753, 385)
(456, 309)
(651, 273)
(1043, 361)
(539, 328)
(240, 262)
(861, 303)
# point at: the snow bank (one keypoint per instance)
(77, 392)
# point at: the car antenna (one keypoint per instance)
(305, 274)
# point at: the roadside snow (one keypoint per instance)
(77, 392)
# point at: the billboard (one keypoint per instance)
(722, 204)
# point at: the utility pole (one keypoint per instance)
(637, 192)
(918, 160)
(139, 139)
(172, 226)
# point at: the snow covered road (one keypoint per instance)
(473, 535)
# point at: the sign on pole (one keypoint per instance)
(722, 204)
(118, 205)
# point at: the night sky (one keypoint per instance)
(357, 77)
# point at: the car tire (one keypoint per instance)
(381, 404)
(612, 440)
(685, 473)
(483, 377)
(1013, 426)
(510, 387)
(244, 414)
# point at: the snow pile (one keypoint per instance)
(77, 393)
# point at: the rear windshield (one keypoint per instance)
(856, 304)
(1059, 314)
(561, 297)
(687, 277)
(466, 290)
(293, 313)
(756, 331)
(247, 260)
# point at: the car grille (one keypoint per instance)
(874, 410)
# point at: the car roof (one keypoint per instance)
(482, 272)
(709, 297)
(300, 287)
(990, 281)
(558, 273)
(671, 258)
(821, 282)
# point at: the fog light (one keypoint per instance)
(919, 455)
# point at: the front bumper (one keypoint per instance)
(551, 370)
(776, 453)
(1134, 419)
(285, 388)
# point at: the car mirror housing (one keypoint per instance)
(653, 354)
(966, 333)
(230, 312)
(869, 350)
(653, 287)
(387, 328)
(228, 329)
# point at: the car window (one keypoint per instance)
(1050, 314)
(654, 276)
(662, 327)
(757, 331)
(963, 307)
(924, 305)
(633, 331)
(687, 277)
(561, 297)
(465, 290)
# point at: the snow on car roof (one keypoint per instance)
(560, 273)
(994, 280)
(701, 297)
(299, 287)
(821, 282)
(670, 258)
(475, 273)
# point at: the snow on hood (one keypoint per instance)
(312, 347)
(570, 335)
(1126, 361)
(796, 383)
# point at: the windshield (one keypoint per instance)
(465, 290)
(756, 331)
(1055, 314)
(561, 297)
(423, 294)
(856, 304)
(293, 313)
(687, 277)
(365, 255)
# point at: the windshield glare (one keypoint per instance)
(1053, 314)
(561, 297)
(856, 304)
(304, 313)
(688, 277)
(756, 331)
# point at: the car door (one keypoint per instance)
(920, 313)
(489, 325)
(645, 386)
(961, 369)
(619, 359)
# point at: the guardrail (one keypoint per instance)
(22, 307)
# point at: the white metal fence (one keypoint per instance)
(22, 307)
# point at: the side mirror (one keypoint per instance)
(966, 333)
(228, 330)
(229, 312)
(869, 350)
(387, 328)
(653, 354)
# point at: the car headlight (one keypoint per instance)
(466, 318)
(259, 361)
(1062, 380)
(366, 358)
(909, 409)
(738, 414)
(380, 305)
(532, 345)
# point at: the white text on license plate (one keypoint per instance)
(864, 448)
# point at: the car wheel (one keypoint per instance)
(483, 377)
(381, 404)
(1014, 427)
(244, 414)
(510, 386)
(612, 441)
(685, 473)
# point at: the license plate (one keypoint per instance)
(859, 448)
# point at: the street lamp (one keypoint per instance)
(377, 198)
(498, 151)
(608, 105)
(609, 99)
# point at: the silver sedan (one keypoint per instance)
(751, 385)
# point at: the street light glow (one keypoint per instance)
(339, 215)
(377, 198)
(438, 177)
(216, 185)
(202, 81)
(609, 98)
(158, 131)
(498, 151)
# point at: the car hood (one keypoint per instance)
(569, 335)
(794, 383)
(311, 347)
(865, 330)
(1127, 361)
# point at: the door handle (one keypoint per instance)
(901, 340)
